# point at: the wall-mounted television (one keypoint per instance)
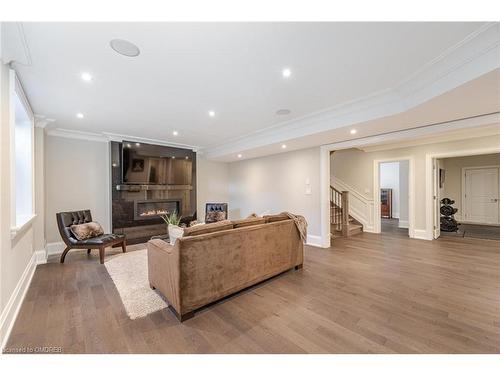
(144, 163)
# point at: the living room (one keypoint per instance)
(233, 199)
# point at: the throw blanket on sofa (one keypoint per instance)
(300, 223)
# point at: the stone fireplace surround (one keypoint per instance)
(129, 201)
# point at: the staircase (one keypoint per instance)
(341, 223)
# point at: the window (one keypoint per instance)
(22, 171)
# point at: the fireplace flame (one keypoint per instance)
(154, 213)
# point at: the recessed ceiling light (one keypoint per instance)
(124, 47)
(286, 73)
(353, 131)
(211, 113)
(175, 132)
(283, 112)
(79, 115)
(87, 77)
(187, 157)
(137, 144)
(129, 145)
(173, 157)
(283, 146)
(239, 156)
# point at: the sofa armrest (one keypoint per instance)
(164, 270)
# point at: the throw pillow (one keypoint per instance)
(86, 230)
(215, 216)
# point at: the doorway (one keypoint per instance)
(394, 194)
(471, 187)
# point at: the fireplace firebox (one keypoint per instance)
(154, 208)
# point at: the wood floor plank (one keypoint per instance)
(367, 294)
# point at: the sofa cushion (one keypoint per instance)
(248, 221)
(277, 217)
(87, 230)
(208, 228)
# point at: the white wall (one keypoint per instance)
(76, 178)
(277, 183)
(212, 184)
(389, 179)
(17, 255)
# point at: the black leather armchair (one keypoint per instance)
(64, 222)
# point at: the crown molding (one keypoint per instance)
(376, 142)
(42, 121)
(477, 54)
(107, 137)
(15, 48)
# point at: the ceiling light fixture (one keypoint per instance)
(87, 77)
(286, 73)
(353, 131)
(239, 156)
(187, 157)
(211, 113)
(175, 132)
(283, 112)
(173, 157)
(283, 146)
(79, 115)
(137, 144)
(124, 47)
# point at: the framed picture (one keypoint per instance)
(137, 165)
(441, 177)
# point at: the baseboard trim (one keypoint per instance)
(53, 248)
(314, 241)
(11, 310)
(41, 256)
(421, 234)
(403, 224)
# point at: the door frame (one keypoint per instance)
(463, 198)
(430, 220)
(377, 221)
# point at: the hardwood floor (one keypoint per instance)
(368, 294)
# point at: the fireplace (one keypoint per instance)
(153, 209)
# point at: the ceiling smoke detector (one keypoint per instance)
(124, 47)
(283, 112)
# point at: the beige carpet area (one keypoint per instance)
(129, 272)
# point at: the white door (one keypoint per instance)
(481, 195)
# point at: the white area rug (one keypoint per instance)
(129, 272)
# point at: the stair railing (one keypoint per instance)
(339, 210)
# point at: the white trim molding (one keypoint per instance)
(54, 248)
(11, 310)
(107, 137)
(421, 234)
(313, 240)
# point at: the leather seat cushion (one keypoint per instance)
(100, 240)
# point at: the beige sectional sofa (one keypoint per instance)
(215, 260)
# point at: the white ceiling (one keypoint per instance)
(186, 69)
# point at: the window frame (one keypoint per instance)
(15, 88)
